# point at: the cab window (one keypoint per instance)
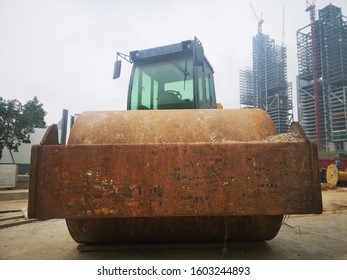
(163, 85)
(207, 99)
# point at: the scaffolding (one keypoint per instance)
(330, 58)
(265, 85)
(247, 88)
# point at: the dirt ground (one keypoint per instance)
(301, 237)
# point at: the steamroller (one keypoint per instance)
(174, 166)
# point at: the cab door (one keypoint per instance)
(205, 86)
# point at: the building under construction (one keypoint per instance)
(265, 85)
(322, 78)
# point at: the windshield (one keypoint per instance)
(163, 85)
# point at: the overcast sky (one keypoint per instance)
(63, 51)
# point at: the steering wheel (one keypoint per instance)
(173, 92)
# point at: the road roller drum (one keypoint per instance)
(174, 126)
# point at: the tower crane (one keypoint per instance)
(259, 20)
(283, 27)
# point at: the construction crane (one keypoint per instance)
(259, 20)
(283, 28)
(311, 8)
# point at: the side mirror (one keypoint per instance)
(117, 69)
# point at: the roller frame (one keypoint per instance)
(177, 179)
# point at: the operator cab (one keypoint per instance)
(176, 76)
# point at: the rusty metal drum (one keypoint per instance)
(172, 126)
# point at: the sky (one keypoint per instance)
(63, 51)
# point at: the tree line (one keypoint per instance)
(18, 121)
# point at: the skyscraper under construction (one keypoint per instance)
(322, 78)
(265, 85)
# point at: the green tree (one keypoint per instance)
(18, 121)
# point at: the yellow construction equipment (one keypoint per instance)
(170, 168)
